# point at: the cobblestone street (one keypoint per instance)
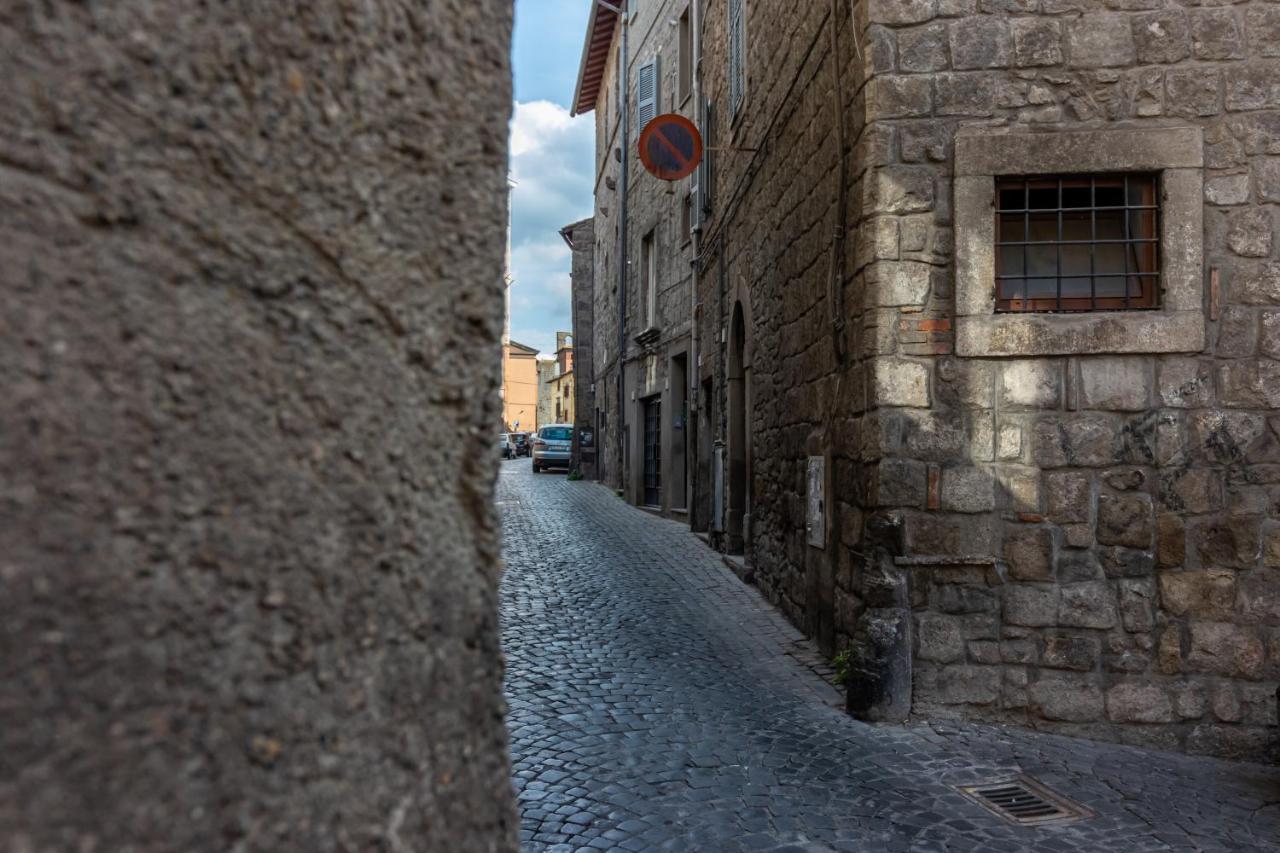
(658, 703)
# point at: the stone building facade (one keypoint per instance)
(556, 396)
(251, 260)
(580, 237)
(1117, 468)
(641, 341)
(548, 370)
(1050, 506)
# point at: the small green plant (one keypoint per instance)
(841, 664)
(575, 474)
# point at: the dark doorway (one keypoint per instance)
(704, 491)
(678, 473)
(597, 451)
(737, 508)
(653, 451)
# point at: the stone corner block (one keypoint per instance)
(899, 382)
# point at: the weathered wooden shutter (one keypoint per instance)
(646, 94)
(700, 180)
(737, 89)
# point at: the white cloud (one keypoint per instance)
(552, 164)
(536, 123)
(547, 253)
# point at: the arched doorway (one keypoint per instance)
(738, 508)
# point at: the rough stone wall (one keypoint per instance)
(604, 259)
(251, 257)
(581, 237)
(654, 207)
(772, 245)
(1130, 501)
(546, 392)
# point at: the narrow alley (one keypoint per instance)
(658, 703)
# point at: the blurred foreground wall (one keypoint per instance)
(251, 260)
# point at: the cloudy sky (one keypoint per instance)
(551, 163)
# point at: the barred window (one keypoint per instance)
(1077, 243)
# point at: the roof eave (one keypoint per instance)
(594, 21)
(582, 63)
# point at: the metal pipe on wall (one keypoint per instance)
(694, 373)
(623, 148)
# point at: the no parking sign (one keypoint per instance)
(670, 147)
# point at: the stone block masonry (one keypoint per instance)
(640, 330)
(251, 258)
(581, 239)
(1117, 474)
(1129, 497)
(777, 255)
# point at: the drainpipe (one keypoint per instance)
(694, 374)
(624, 133)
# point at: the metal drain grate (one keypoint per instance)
(1024, 801)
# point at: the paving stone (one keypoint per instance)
(661, 704)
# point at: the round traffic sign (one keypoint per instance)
(670, 147)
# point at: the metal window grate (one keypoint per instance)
(1077, 243)
(1024, 801)
(653, 451)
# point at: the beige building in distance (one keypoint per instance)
(519, 369)
(519, 387)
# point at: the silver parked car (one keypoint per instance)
(551, 446)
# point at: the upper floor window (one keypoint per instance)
(1077, 242)
(648, 94)
(685, 87)
(1100, 221)
(737, 58)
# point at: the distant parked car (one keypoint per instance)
(523, 445)
(505, 446)
(551, 446)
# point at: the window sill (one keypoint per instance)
(1070, 334)
(648, 336)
